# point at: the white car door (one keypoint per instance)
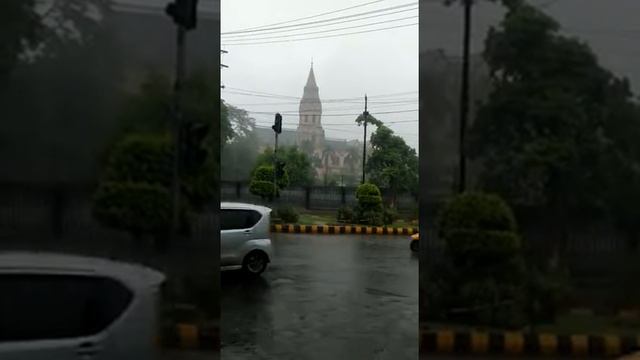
(60, 317)
(236, 229)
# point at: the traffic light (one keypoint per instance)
(277, 127)
(193, 152)
(183, 13)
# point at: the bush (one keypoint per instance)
(345, 214)
(287, 214)
(137, 208)
(389, 216)
(476, 211)
(141, 158)
(487, 274)
(262, 182)
(369, 208)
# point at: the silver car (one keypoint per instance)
(245, 242)
(62, 307)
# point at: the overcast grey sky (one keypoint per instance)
(386, 62)
(610, 27)
(377, 63)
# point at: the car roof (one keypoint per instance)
(244, 206)
(135, 276)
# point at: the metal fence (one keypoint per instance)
(314, 197)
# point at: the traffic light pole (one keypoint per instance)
(364, 147)
(177, 132)
(275, 168)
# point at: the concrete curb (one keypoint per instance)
(189, 337)
(342, 229)
(517, 343)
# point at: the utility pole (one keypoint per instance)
(464, 96)
(365, 115)
(183, 13)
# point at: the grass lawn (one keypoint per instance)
(568, 324)
(591, 324)
(324, 218)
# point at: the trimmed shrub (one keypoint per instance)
(369, 208)
(141, 158)
(138, 208)
(476, 211)
(287, 214)
(262, 182)
(486, 279)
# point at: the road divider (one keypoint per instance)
(342, 229)
(519, 343)
(189, 337)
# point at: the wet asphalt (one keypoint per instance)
(325, 297)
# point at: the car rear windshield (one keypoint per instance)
(239, 219)
(40, 307)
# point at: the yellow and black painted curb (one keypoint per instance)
(342, 229)
(189, 337)
(517, 343)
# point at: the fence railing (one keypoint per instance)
(313, 197)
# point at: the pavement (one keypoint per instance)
(325, 297)
(188, 355)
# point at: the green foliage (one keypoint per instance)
(262, 188)
(369, 208)
(389, 216)
(392, 163)
(485, 280)
(297, 164)
(262, 182)
(473, 211)
(25, 26)
(287, 214)
(141, 158)
(138, 208)
(345, 214)
(555, 121)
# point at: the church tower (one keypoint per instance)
(310, 111)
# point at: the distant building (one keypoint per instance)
(335, 160)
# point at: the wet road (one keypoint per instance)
(325, 297)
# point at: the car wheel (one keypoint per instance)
(415, 246)
(255, 263)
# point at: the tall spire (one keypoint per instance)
(311, 80)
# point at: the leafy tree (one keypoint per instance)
(392, 163)
(297, 164)
(542, 136)
(32, 29)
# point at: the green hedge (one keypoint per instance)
(485, 279)
(138, 208)
(476, 211)
(141, 158)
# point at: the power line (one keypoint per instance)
(313, 16)
(329, 30)
(321, 21)
(320, 37)
(353, 114)
(298, 97)
(241, 36)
